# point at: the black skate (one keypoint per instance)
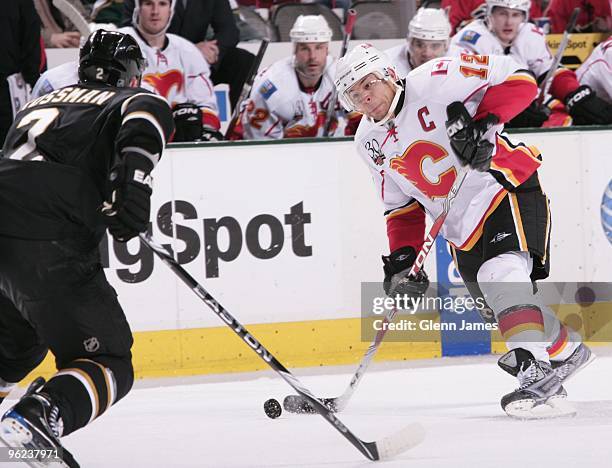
(579, 359)
(33, 427)
(540, 393)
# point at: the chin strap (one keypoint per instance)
(391, 113)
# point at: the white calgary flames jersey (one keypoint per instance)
(411, 159)
(400, 57)
(279, 108)
(177, 72)
(596, 72)
(55, 78)
(529, 47)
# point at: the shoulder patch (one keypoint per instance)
(471, 37)
(267, 89)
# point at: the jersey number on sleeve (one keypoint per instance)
(425, 153)
(43, 118)
(473, 69)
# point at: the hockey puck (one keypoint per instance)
(272, 408)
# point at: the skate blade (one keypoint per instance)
(554, 407)
(13, 435)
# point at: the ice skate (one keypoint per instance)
(34, 426)
(540, 393)
(568, 368)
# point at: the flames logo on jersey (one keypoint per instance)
(410, 165)
(165, 82)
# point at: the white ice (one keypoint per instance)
(207, 422)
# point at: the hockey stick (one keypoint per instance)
(387, 447)
(246, 87)
(331, 105)
(546, 82)
(296, 404)
(73, 15)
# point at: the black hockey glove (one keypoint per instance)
(127, 212)
(465, 135)
(209, 134)
(188, 122)
(398, 281)
(586, 108)
(533, 116)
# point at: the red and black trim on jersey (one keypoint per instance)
(513, 164)
(406, 226)
(564, 81)
(210, 119)
(508, 99)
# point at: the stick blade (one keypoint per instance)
(405, 439)
(299, 405)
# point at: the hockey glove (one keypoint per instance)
(127, 213)
(188, 122)
(533, 116)
(398, 281)
(465, 135)
(586, 108)
(209, 134)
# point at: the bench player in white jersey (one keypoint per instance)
(505, 31)
(498, 225)
(596, 71)
(289, 99)
(428, 38)
(175, 70)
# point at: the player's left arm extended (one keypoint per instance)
(509, 98)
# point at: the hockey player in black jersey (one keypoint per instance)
(75, 161)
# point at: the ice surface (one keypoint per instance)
(222, 423)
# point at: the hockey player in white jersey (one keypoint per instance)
(428, 38)
(596, 71)
(505, 31)
(289, 99)
(498, 225)
(175, 70)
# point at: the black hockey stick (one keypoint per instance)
(388, 447)
(546, 82)
(333, 98)
(246, 88)
(298, 405)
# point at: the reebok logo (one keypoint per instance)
(500, 236)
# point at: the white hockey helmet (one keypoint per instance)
(310, 28)
(359, 62)
(430, 24)
(522, 5)
(136, 16)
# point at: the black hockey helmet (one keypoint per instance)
(110, 57)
